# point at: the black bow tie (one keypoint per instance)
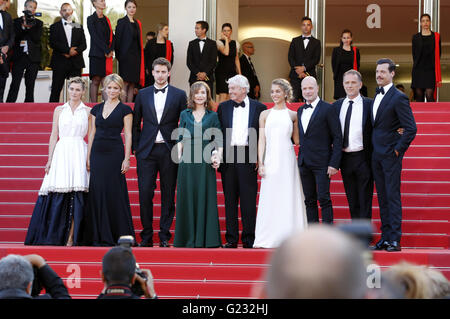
(242, 104)
(202, 40)
(67, 23)
(307, 106)
(380, 90)
(163, 90)
(306, 38)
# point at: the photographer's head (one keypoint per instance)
(119, 266)
(31, 5)
(16, 272)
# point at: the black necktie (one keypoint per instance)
(163, 90)
(347, 124)
(307, 106)
(380, 90)
(242, 104)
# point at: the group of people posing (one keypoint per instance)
(184, 141)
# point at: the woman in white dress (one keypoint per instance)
(58, 212)
(281, 207)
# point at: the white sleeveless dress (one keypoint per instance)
(68, 168)
(281, 208)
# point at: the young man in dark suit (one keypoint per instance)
(239, 118)
(202, 56)
(68, 42)
(320, 151)
(390, 111)
(304, 55)
(354, 115)
(6, 44)
(159, 107)
(27, 54)
(248, 70)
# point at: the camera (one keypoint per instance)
(128, 242)
(30, 18)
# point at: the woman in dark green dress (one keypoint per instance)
(200, 151)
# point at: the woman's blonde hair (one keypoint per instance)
(116, 79)
(195, 87)
(77, 80)
(286, 87)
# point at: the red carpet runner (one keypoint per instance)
(218, 273)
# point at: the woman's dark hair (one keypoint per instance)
(132, 1)
(342, 33)
(424, 15)
(227, 25)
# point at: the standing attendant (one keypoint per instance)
(27, 54)
(58, 213)
(426, 51)
(108, 214)
(129, 51)
(228, 65)
(320, 151)
(304, 54)
(197, 223)
(68, 43)
(390, 111)
(158, 107)
(356, 169)
(202, 56)
(102, 48)
(239, 119)
(345, 57)
(248, 70)
(6, 44)
(159, 47)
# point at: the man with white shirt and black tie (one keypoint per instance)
(202, 56)
(68, 42)
(390, 111)
(158, 107)
(354, 115)
(304, 54)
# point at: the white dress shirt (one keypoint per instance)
(378, 98)
(67, 25)
(239, 133)
(307, 113)
(355, 131)
(306, 41)
(202, 44)
(160, 102)
(1, 20)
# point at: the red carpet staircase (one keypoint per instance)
(218, 273)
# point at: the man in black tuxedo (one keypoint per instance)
(202, 56)
(354, 115)
(6, 44)
(239, 118)
(248, 70)
(304, 55)
(27, 54)
(320, 151)
(159, 106)
(68, 43)
(390, 111)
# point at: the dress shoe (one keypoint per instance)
(393, 246)
(145, 244)
(380, 245)
(230, 245)
(164, 243)
(247, 246)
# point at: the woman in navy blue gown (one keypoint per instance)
(108, 214)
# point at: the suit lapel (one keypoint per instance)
(251, 112)
(168, 103)
(230, 112)
(366, 111)
(151, 104)
(384, 101)
(313, 116)
(302, 131)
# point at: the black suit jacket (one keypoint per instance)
(99, 37)
(204, 61)
(366, 123)
(33, 38)
(58, 42)
(144, 109)
(394, 112)
(321, 144)
(309, 58)
(225, 112)
(123, 37)
(7, 33)
(247, 71)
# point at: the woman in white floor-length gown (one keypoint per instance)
(281, 207)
